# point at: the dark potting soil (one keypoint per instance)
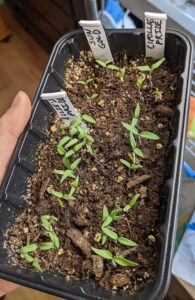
(103, 180)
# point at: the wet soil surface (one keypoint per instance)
(103, 180)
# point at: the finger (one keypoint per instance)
(6, 287)
(12, 124)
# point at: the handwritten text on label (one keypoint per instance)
(155, 25)
(97, 39)
(61, 104)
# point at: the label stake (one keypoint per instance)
(61, 105)
(155, 26)
(97, 39)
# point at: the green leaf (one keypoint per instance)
(76, 182)
(93, 96)
(58, 172)
(101, 63)
(68, 197)
(134, 200)
(60, 150)
(122, 74)
(66, 162)
(140, 81)
(56, 194)
(89, 138)
(130, 128)
(125, 162)
(144, 68)
(64, 140)
(107, 221)
(105, 212)
(149, 135)
(63, 126)
(45, 223)
(137, 111)
(78, 146)
(127, 207)
(54, 238)
(104, 239)
(28, 257)
(73, 131)
(46, 246)
(157, 64)
(69, 153)
(67, 173)
(75, 122)
(72, 190)
(37, 266)
(28, 248)
(71, 143)
(132, 141)
(89, 80)
(135, 166)
(125, 241)
(75, 163)
(112, 67)
(138, 152)
(88, 118)
(113, 235)
(124, 262)
(82, 82)
(60, 203)
(114, 214)
(134, 122)
(103, 253)
(89, 149)
(49, 218)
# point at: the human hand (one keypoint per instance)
(12, 124)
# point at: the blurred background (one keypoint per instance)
(28, 32)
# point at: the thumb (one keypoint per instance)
(12, 123)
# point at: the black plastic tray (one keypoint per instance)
(178, 52)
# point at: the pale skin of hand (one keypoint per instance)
(12, 124)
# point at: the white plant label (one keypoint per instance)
(97, 39)
(155, 26)
(61, 105)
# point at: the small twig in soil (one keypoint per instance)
(138, 180)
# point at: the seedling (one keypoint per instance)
(61, 195)
(139, 82)
(83, 132)
(46, 223)
(121, 74)
(64, 174)
(131, 203)
(133, 131)
(24, 252)
(108, 218)
(130, 166)
(158, 95)
(91, 97)
(86, 82)
(119, 260)
(77, 128)
(107, 64)
(151, 68)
